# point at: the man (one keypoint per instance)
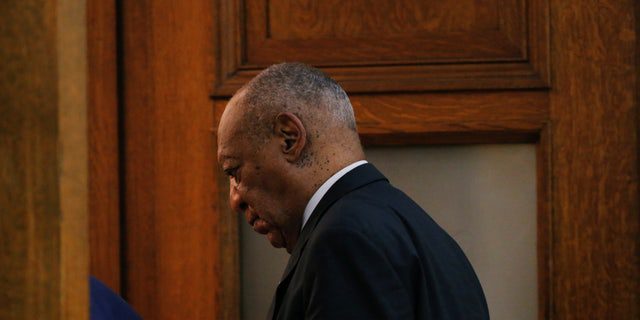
(360, 249)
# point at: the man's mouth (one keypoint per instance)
(251, 216)
(253, 219)
(259, 225)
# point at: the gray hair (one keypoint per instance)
(307, 92)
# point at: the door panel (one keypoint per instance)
(484, 196)
(403, 45)
(179, 252)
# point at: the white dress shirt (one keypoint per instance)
(315, 199)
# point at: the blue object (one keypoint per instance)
(107, 305)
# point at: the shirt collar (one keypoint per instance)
(317, 196)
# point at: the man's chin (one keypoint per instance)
(276, 239)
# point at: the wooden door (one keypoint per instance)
(559, 74)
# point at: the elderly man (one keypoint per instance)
(360, 249)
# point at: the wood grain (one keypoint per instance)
(508, 112)
(355, 31)
(104, 188)
(172, 268)
(544, 234)
(336, 19)
(72, 154)
(30, 237)
(43, 253)
(353, 45)
(411, 78)
(594, 111)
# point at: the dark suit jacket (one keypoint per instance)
(370, 252)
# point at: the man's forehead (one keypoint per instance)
(229, 133)
(229, 121)
(228, 152)
(228, 145)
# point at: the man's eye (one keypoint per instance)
(231, 172)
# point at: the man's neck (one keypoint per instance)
(326, 185)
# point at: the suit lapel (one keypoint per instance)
(354, 179)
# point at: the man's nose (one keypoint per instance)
(235, 200)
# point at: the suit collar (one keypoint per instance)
(354, 179)
(319, 194)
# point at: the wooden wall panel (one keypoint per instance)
(304, 20)
(43, 160)
(72, 156)
(390, 46)
(544, 234)
(387, 31)
(171, 257)
(29, 235)
(104, 180)
(470, 117)
(594, 115)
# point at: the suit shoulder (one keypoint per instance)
(358, 209)
(373, 204)
(368, 212)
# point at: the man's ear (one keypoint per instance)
(291, 134)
